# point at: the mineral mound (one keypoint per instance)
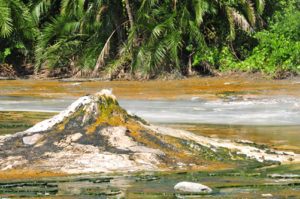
(94, 134)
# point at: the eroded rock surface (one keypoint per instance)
(94, 134)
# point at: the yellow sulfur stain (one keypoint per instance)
(26, 174)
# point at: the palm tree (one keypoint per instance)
(17, 30)
(79, 33)
(166, 28)
(157, 39)
(15, 18)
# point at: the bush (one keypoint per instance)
(278, 51)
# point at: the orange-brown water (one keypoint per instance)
(174, 89)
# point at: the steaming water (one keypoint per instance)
(281, 110)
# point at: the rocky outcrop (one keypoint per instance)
(94, 134)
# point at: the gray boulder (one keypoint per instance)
(191, 187)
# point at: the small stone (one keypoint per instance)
(191, 187)
(266, 195)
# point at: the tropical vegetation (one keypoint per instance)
(150, 37)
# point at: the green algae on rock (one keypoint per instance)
(94, 134)
(16, 121)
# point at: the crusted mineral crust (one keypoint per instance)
(94, 134)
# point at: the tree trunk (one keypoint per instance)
(190, 71)
(233, 51)
(130, 16)
(190, 66)
(175, 5)
(131, 22)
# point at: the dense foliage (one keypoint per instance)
(278, 50)
(151, 36)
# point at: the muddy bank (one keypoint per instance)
(26, 71)
(7, 72)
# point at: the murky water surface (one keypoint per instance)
(207, 100)
(266, 112)
(225, 184)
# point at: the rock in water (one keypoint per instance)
(94, 134)
(191, 187)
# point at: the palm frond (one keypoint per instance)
(248, 8)
(185, 17)
(40, 8)
(64, 6)
(52, 30)
(14, 15)
(6, 22)
(71, 27)
(201, 7)
(103, 54)
(158, 54)
(158, 31)
(230, 19)
(239, 20)
(196, 34)
(260, 6)
(146, 4)
(72, 7)
(139, 59)
(58, 54)
(100, 12)
(80, 6)
(174, 43)
(116, 64)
